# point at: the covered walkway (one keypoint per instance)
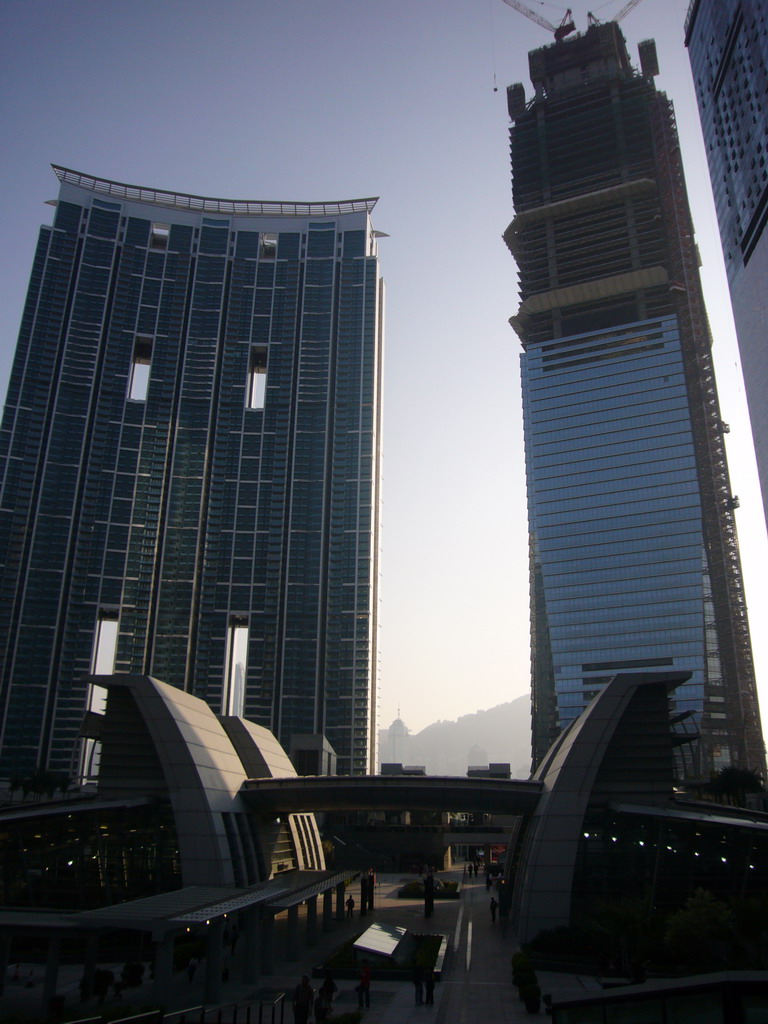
(391, 792)
(167, 916)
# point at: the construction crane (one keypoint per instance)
(565, 27)
(622, 13)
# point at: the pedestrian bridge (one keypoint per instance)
(391, 793)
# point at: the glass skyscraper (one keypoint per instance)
(190, 467)
(634, 562)
(728, 46)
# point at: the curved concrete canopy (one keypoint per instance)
(620, 747)
(158, 740)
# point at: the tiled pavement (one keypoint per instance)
(476, 984)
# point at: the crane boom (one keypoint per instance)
(526, 10)
(565, 27)
(626, 9)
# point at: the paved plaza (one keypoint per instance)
(476, 983)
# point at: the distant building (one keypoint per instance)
(727, 43)
(634, 560)
(313, 755)
(492, 771)
(402, 769)
(477, 755)
(394, 743)
(190, 468)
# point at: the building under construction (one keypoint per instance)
(634, 561)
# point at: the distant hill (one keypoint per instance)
(501, 734)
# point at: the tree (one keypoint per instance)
(730, 785)
(14, 783)
(632, 930)
(700, 934)
(751, 929)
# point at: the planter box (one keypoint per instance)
(442, 894)
(385, 973)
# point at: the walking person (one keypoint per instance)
(429, 988)
(192, 968)
(494, 908)
(324, 1001)
(351, 906)
(418, 984)
(364, 988)
(303, 1000)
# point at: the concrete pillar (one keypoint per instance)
(251, 941)
(5, 956)
(292, 940)
(163, 969)
(312, 921)
(328, 910)
(340, 901)
(363, 895)
(267, 941)
(89, 966)
(214, 961)
(51, 971)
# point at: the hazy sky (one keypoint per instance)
(341, 99)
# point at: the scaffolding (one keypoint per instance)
(740, 707)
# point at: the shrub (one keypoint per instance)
(416, 887)
(520, 959)
(531, 996)
(523, 978)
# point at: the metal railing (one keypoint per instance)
(204, 204)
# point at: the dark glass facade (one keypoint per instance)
(634, 561)
(190, 465)
(665, 858)
(727, 43)
(82, 858)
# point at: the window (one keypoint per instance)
(267, 246)
(158, 238)
(257, 378)
(236, 667)
(102, 664)
(142, 357)
(105, 644)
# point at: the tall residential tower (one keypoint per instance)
(728, 45)
(190, 467)
(634, 561)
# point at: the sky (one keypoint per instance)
(343, 99)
